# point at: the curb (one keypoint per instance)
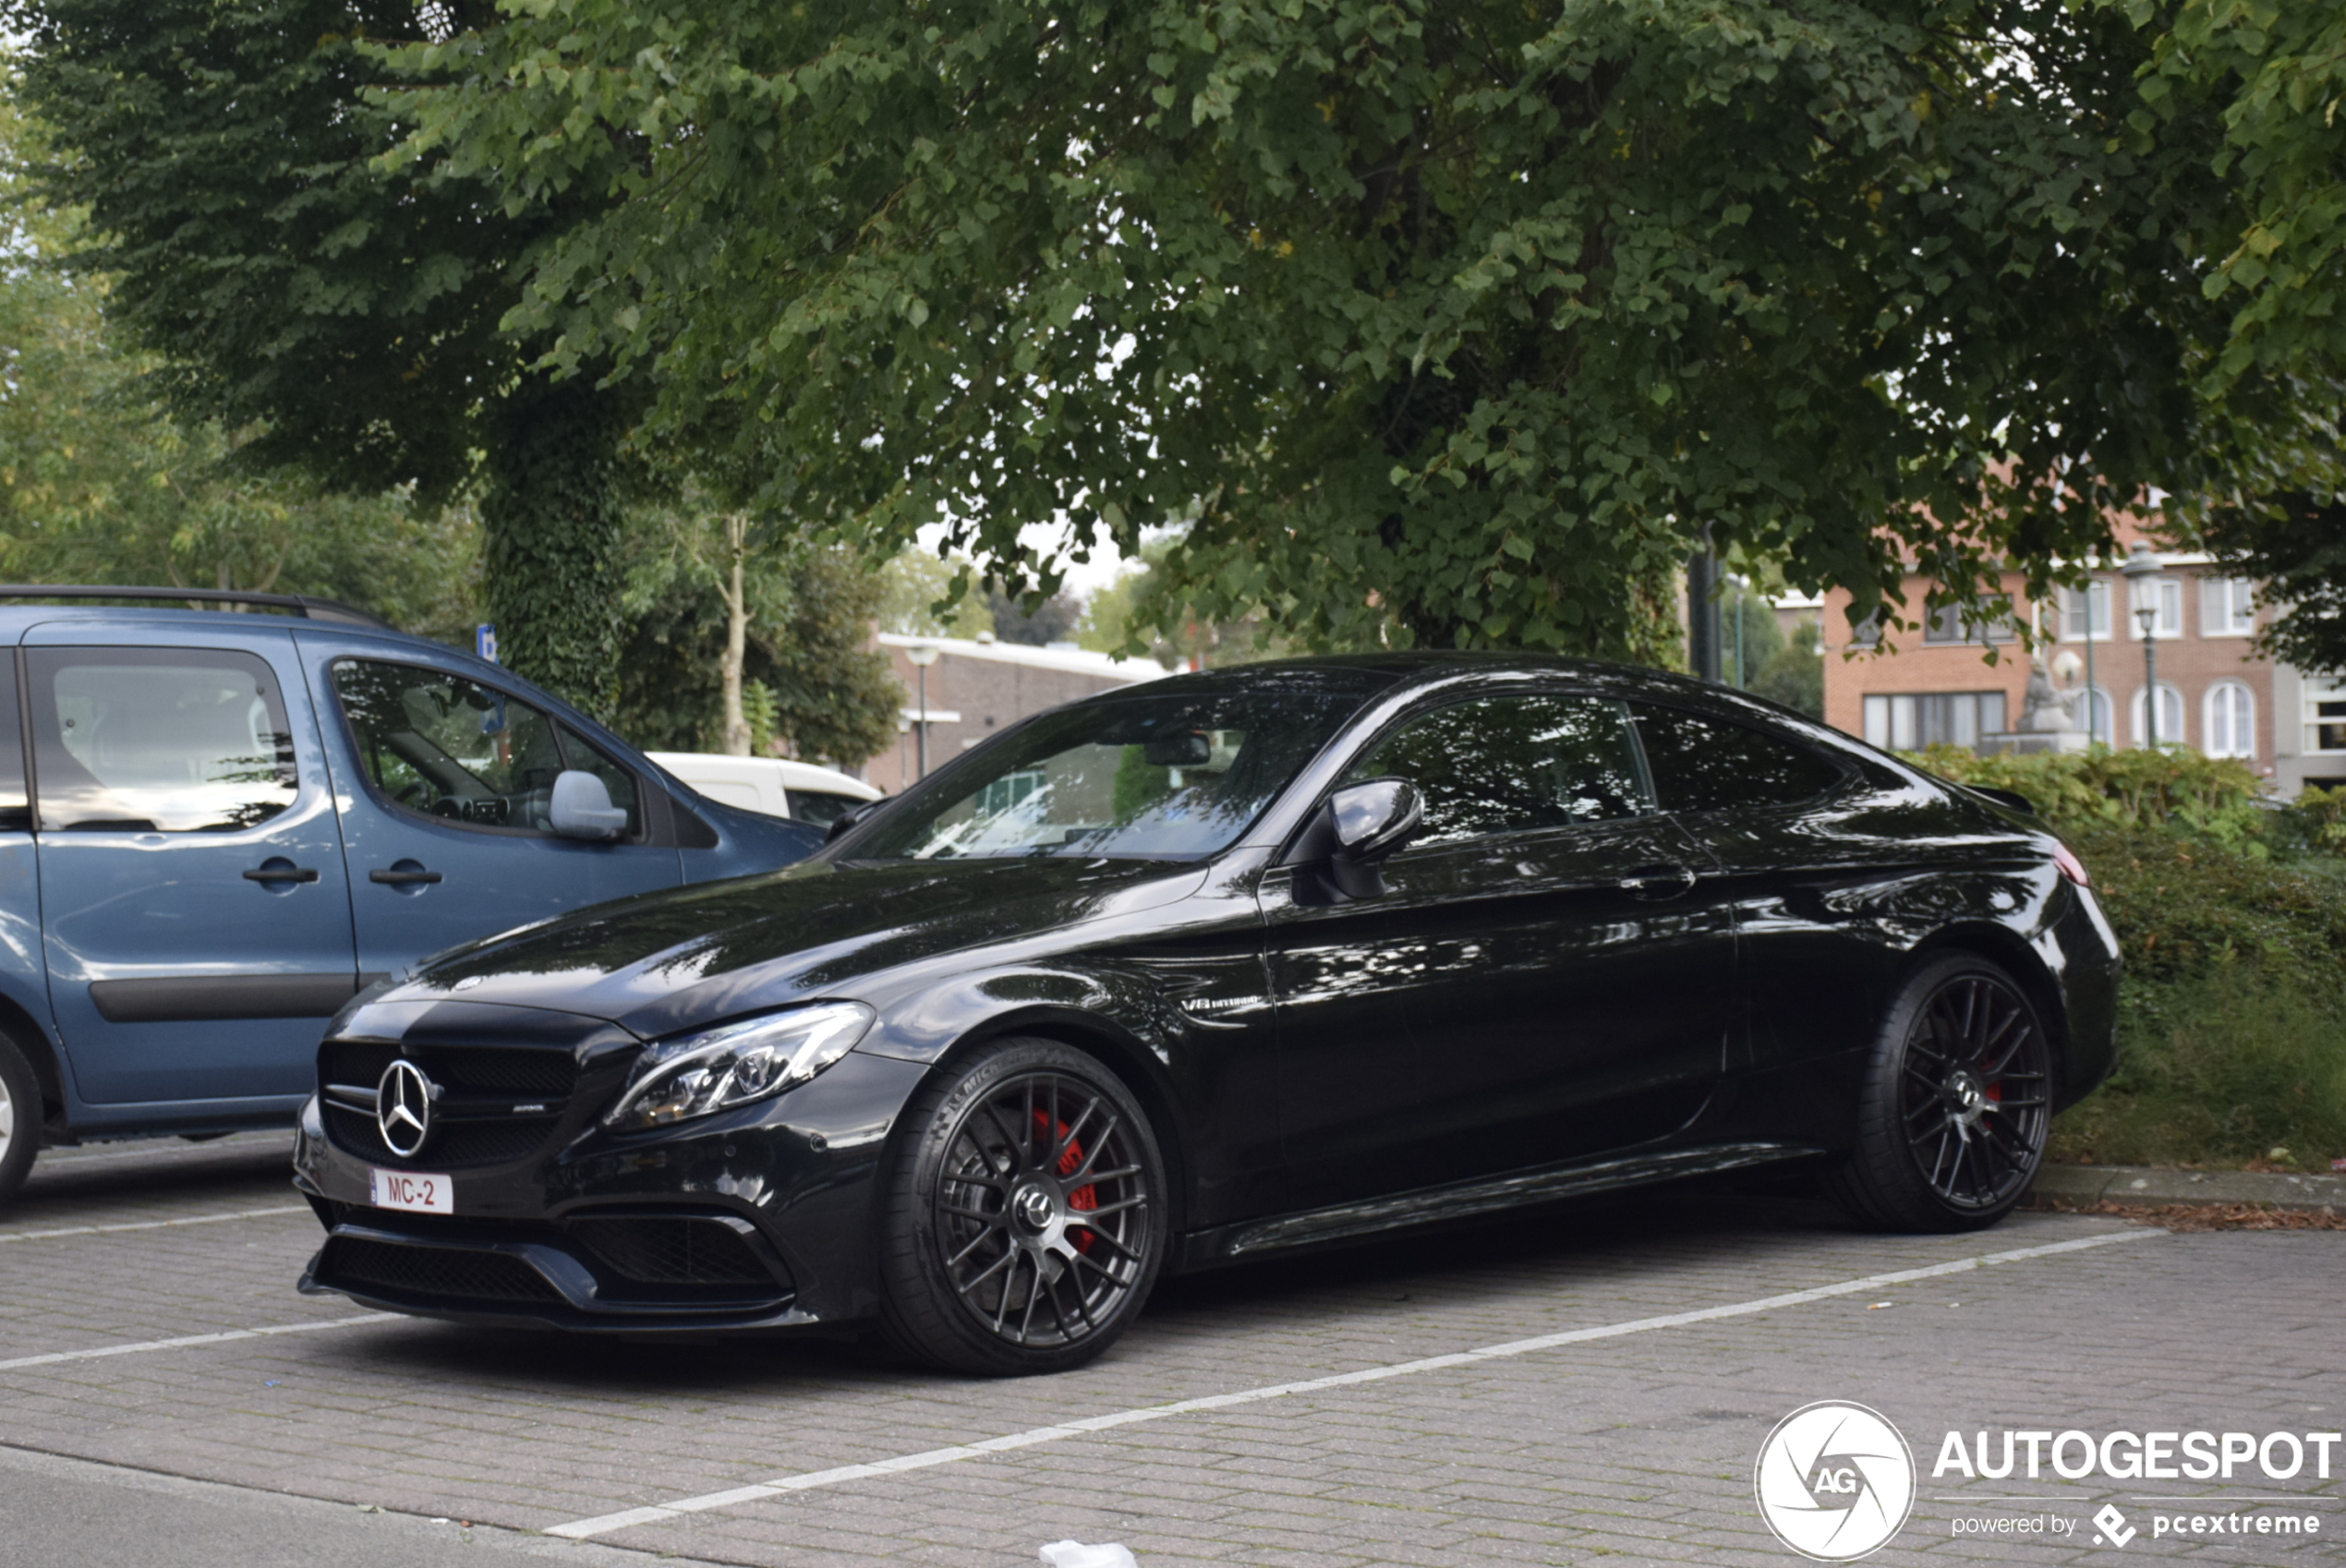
(2154, 1185)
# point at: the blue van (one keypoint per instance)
(216, 827)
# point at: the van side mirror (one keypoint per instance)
(581, 808)
(1355, 829)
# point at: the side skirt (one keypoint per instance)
(1465, 1199)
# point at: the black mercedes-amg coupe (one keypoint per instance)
(1209, 969)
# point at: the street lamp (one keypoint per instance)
(923, 654)
(2143, 585)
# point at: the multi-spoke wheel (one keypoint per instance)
(1026, 1213)
(19, 1118)
(1957, 1103)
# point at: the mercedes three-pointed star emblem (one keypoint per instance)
(403, 1107)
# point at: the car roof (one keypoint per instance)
(694, 767)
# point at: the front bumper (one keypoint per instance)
(759, 1218)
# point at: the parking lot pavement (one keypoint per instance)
(1673, 1332)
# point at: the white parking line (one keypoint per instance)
(67, 1159)
(603, 1525)
(154, 1225)
(143, 1346)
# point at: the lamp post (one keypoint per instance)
(923, 654)
(2142, 576)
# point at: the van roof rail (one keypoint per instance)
(303, 605)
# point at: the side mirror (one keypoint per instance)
(1358, 827)
(847, 819)
(581, 808)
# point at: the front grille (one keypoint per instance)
(432, 1273)
(523, 1073)
(478, 1082)
(652, 1249)
(452, 1146)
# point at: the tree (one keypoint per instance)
(343, 311)
(1794, 674)
(1016, 619)
(809, 683)
(99, 483)
(2275, 76)
(1446, 323)
(924, 595)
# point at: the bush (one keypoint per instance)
(2232, 915)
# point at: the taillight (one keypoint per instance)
(2071, 866)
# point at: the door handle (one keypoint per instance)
(1658, 882)
(403, 878)
(280, 872)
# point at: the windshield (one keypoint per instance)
(1160, 774)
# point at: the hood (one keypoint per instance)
(673, 959)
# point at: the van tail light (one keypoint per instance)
(2071, 866)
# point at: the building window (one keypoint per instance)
(2325, 716)
(2227, 607)
(2098, 716)
(2085, 613)
(2170, 716)
(1928, 719)
(1946, 625)
(2230, 722)
(2166, 596)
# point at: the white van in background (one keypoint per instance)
(799, 791)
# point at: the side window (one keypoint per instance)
(1702, 764)
(159, 739)
(820, 807)
(1510, 765)
(16, 805)
(440, 745)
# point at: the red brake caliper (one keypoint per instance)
(1083, 1196)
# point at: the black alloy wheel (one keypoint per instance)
(1957, 1103)
(1026, 1215)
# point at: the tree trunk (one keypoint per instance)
(736, 635)
(550, 535)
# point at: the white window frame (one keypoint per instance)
(2169, 694)
(2321, 693)
(2099, 707)
(2072, 612)
(2228, 721)
(2227, 607)
(2169, 624)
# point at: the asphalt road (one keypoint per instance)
(1587, 1384)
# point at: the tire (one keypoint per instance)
(20, 1118)
(1026, 1181)
(1955, 1108)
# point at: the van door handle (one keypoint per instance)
(281, 871)
(399, 878)
(1658, 882)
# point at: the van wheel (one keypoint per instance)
(20, 1118)
(1956, 1105)
(1025, 1214)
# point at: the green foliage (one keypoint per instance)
(1438, 323)
(99, 483)
(2173, 789)
(927, 596)
(814, 689)
(345, 316)
(2232, 919)
(2229, 1037)
(1032, 624)
(1794, 674)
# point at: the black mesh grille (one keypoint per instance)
(656, 1250)
(461, 1069)
(451, 1145)
(436, 1273)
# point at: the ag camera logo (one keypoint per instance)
(1835, 1482)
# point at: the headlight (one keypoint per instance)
(715, 1070)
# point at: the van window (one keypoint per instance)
(159, 739)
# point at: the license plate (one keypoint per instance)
(415, 1190)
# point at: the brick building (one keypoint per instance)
(978, 686)
(1939, 685)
